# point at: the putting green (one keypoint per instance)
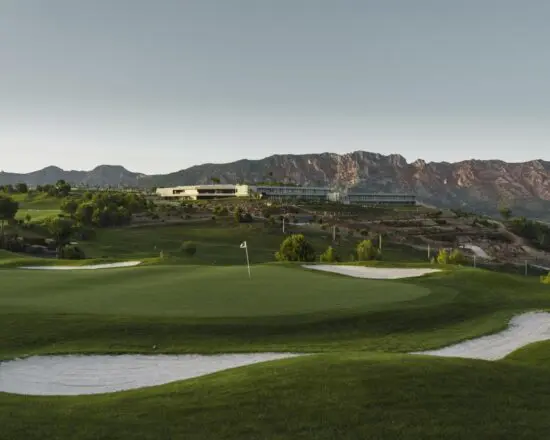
(197, 292)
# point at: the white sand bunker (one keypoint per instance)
(76, 375)
(373, 273)
(87, 267)
(523, 330)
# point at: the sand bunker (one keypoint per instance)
(374, 273)
(87, 267)
(76, 375)
(523, 330)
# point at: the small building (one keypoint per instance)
(198, 192)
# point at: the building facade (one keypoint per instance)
(297, 193)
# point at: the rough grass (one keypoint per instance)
(218, 242)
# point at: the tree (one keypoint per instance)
(22, 188)
(329, 256)
(8, 209)
(295, 248)
(189, 248)
(62, 188)
(505, 212)
(61, 229)
(366, 251)
(215, 180)
(69, 206)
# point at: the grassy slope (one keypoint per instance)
(331, 396)
(483, 304)
(351, 396)
(38, 206)
(218, 243)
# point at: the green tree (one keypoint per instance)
(366, 251)
(505, 212)
(295, 248)
(215, 180)
(329, 256)
(61, 229)
(22, 188)
(69, 206)
(8, 209)
(189, 248)
(62, 188)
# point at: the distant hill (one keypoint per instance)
(480, 185)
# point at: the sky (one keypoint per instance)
(161, 85)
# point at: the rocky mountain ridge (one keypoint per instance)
(481, 185)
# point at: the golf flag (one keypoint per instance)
(245, 247)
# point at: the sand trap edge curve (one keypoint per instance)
(522, 330)
(86, 267)
(373, 273)
(74, 375)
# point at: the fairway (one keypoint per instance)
(197, 292)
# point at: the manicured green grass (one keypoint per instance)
(37, 215)
(535, 354)
(209, 310)
(37, 201)
(196, 292)
(327, 397)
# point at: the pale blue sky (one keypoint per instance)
(161, 85)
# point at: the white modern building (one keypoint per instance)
(306, 193)
(198, 192)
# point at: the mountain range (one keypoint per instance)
(479, 185)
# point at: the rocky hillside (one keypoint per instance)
(473, 184)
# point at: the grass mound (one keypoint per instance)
(343, 396)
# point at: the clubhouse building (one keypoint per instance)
(304, 193)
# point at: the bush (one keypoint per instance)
(545, 279)
(443, 257)
(295, 248)
(329, 256)
(455, 257)
(366, 251)
(189, 248)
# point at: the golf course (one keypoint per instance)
(149, 338)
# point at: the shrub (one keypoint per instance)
(366, 251)
(189, 248)
(455, 257)
(329, 256)
(545, 279)
(443, 257)
(295, 248)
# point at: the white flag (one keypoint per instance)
(243, 245)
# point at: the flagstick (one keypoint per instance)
(247, 261)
